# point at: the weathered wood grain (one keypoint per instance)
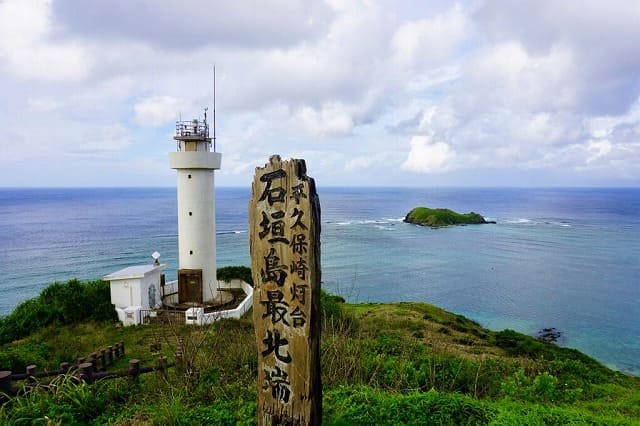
(284, 229)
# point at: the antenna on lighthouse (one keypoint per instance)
(214, 108)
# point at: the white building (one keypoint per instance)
(134, 289)
(197, 292)
(195, 164)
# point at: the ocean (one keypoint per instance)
(563, 258)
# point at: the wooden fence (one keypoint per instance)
(84, 369)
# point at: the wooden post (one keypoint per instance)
(5, 382)
(85, 371)
(134, 368)
(103, 360)
(179, 362)
(109, 355)
(284, 229)
(163, 366)
(92, 359)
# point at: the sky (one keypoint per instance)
(421, 93)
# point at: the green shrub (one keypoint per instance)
(59, 304)
(544, 387)
(333, 316)
(330, 306)
(510, 413)
(68, 402)
(17, 358)
(221, 412)
(229, 273)
(365, 406)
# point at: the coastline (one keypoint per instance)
(527, 271)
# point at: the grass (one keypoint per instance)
(401, 363)
(59, 304)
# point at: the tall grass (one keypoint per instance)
(59, 304)
(382, 364)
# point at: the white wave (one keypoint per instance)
(358, 222)
(231, 232)
(383, 221)
(520, 220)
(562, 224)
(524, 221)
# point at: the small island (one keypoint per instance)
(437, 218)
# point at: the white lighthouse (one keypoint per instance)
(195, 163)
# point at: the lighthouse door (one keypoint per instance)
(190, 286)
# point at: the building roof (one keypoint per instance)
(130, 272)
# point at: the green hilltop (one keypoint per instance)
(442, 217)
(385, 364)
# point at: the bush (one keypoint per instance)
(361, 405)
(229, 273)
(68, 402)
(330, 306)
(18, 358)
(59, 304)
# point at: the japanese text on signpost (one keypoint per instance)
(284, 221)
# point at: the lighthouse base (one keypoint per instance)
(240, 292)
(222, 298)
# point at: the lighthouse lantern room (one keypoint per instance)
(195, 164)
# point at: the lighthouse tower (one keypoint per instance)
(195, 163)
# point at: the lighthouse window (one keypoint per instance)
(190, 251)
(189, 176)
(190, 213)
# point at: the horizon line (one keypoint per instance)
(347, 187)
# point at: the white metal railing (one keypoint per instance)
(192, 128)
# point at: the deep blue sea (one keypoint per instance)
(564, 258)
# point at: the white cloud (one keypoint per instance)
(538, 87)
(331, 120)
(364, 162)
(27, 46)
(96, 142)
(43, 104)
(430, 40)
(197, 23)
(428, 157)
(235, 164)
(438, 120)
(597, 149)
(506, 75)
(600, 36)
(158, 110)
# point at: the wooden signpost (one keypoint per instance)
(284, 227)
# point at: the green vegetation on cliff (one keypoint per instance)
(386, 364)
(59, 304)
(442, 217)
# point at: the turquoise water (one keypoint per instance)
(564, 258)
